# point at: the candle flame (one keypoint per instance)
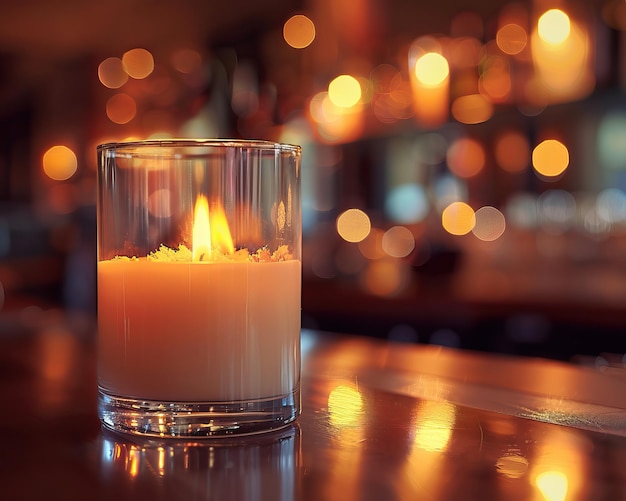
(201, 232)
(210, 231)
(220, 232)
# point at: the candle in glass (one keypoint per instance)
(210, 330)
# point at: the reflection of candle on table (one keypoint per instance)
(176, 328)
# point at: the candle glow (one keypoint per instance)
(201, 248)
(210, 231)
(199, 281)
(236, 311)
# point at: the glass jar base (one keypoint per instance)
(151, 418)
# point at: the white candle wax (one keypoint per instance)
(199, 331)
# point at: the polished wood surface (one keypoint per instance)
(380, 421)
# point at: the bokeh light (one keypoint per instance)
(398, 241)
(472, 109)
(464, 53)
(111, 73)
(407, 203)
(59, 163)
(466, 157)
(335, 123)
(512, 39)
(186, 60)
(299, 31)
(353, 225)
(429, 74)
(512, 151)
(458, 218)
(564, 61)
(556, 211)
(344, 91)
(490, 224)
(611, 205)
(318, 107)
(138, 63)
(367, 89)
(610, 140)
(391, 94)
(121, 108)
(550, 158)
(371, 247)
(384, 277)
(432, 69)
(495, 80)
(594, 225)
(554, 26)
(522, 211)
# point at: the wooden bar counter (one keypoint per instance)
(380, 421)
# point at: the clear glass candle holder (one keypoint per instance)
(199, 286)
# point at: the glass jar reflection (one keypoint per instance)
(256, 467)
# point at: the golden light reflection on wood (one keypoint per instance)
(560, 465)
(434, 423)
(553, 485)
(512, 465)
(345, 406)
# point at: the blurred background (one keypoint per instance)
(464, 169)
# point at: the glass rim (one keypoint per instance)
(258, 144)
